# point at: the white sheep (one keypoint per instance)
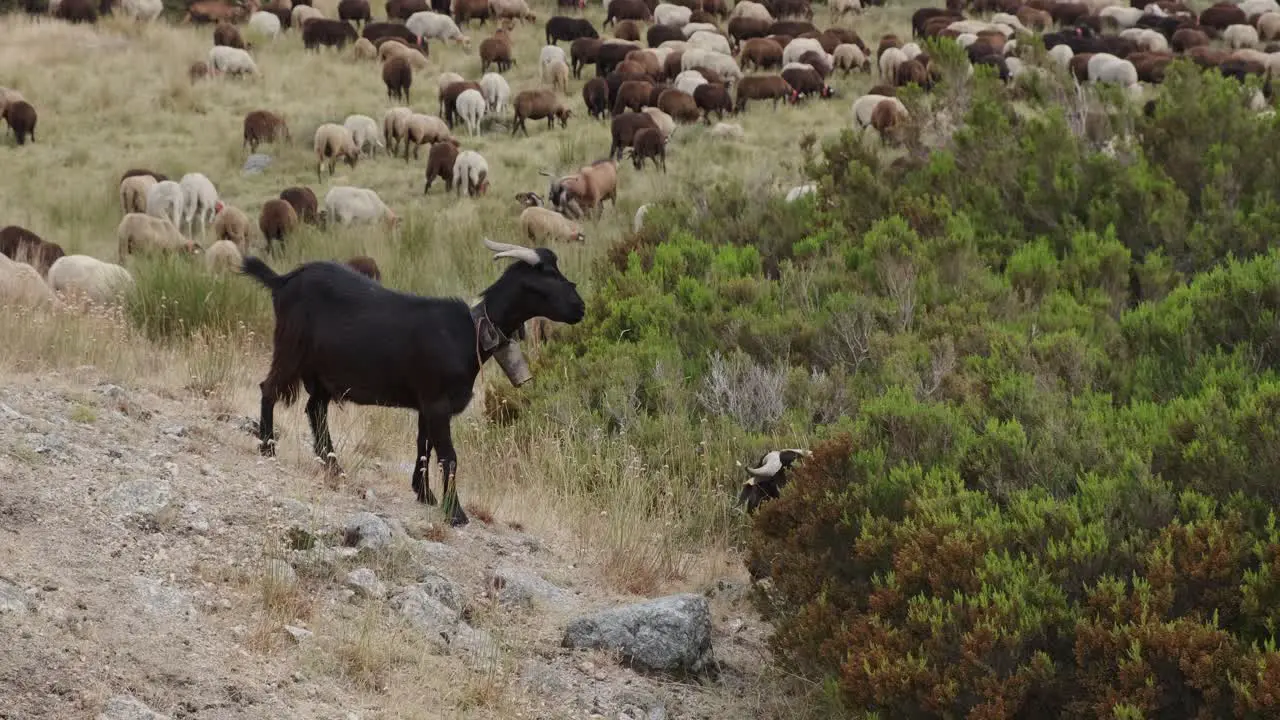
(539, 223)
(557, 76)
(422, 130)
(864, 106)
(345, 204)
(848, 56)
(673, 46)
(199, 200)
(471, 169)
(714, 42)
(1012, 21)
(1061, 54)
(800, 191)
(89, 279)
(1122, 17)
(21, 285)
(164, 199)
(471, 106)
(637, 223)
(550, 54)
(1146, 39)
(1115, 71)
(1253, 8)
(512, 9)
(749, 9)
(913, 50)
(1269, 26)
(300, 14)
(842, 7)
(688, 81)
(364, 131)
(666, 124)
(223, 59)
(497, 93)
(691, 28)
(723, 65)
(142, 10)
(728, 131)
(223, 256)
(333, 142)
(427, 24)
(890, 60)
(1241, 36)
(393, 127)
(264, 23)
(672, 15)
(661, 53)
(145, 233)
(964, 40)
(133, 193)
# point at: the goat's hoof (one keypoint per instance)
(428, 498)
(267, 448)
(459, 519)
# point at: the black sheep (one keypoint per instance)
(560, 28)
(767, 477)
(348, 339)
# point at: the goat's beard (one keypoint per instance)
(512, 362)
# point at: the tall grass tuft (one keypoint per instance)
(176, 297)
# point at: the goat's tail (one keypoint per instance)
(261, 272)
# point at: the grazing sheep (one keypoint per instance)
(471, 106)
(329, 33)
(550, 54)
(228, 35)
(593, 184)
(142, 10)
(595, 94)
(355, 340)
(1241, 36)
(623, 128)
(301, 14)
(223, 256)
(864, 106)
(664, 122)
(889, 61)
(345, 204)
(362, 50)
(277, 220)
(232, 224)
(569, 29)
(264, 23)
(164, 199)
(536, 105)
(440, 160)
(713, 42)
(199, 200)
(768, 477)
(89, 279)
(397, 75)
(22, 286)
(696, 27)
(356, 11)
(649, 143)
(497, 93)
(366, 266)
(304, 203)
(147, 233)
(689, 80)
(556, 75)
(364, 132)
(753, 10)
(472, 171)
(849, 57)
(393, 127)
(512, 9)
(233, 61)
(583, 52)
(423, 130)
(376, 32)
(672, 15)
(133, 193)
(8, 96)
(496, 50)
(21, 117)
(264, 126)
(449, 98)
(712, 98)
(540, 223)
(393, 47)
(435, 26)
(761, 53)
(333, 141)
(764, 87)
(21, 245)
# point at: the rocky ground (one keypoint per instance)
(153, 565)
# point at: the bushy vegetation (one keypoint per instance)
(1038, 370)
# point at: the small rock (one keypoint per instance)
(12, 598)
(517, 586)
(365, 583)
(366, 531)
(158, 599)
(127, 707)
(175, 431)
(669, 634)
(442, 589)
(438, 553)
(256, 163)
(298, 634)
(138, 497)
(9, 413)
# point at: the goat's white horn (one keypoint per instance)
(770, 467)
(515, 252)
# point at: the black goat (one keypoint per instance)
(767, 477)
(346, 338)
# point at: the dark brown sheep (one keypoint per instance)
(449, 99)
(21, 245)
(623, 130)
(496, 50)
(658, 34)
(357, 11)
(745, 28)
(21, 117)
(304, 203)
(885, 90)
(77, 11)
(763, 87)
(647, 60)
(888, 120)
(404, 9)
(596, 96)
(794, 28)
(375, 31)
(627, 10)
(397, 75)
(672, 65)
(465, 11)
(761, 53)
(680, 105)
(1079, 65)
(1068, 13)
(713, 98)
(808, 82)
(715, 7)
(922, 16)
(583, 52)
(826, 40)
(612, 54)
(632, 95)
(366, 266)
(536, 105)
(912, 71)
(134, 172)
(648, 143)
(1151, 66)
(211, 11)
(440, 160)
(818, 61)
(277, 219)
(627, 30)
(224, 33)
(886, 42)
(1223, 15)
(263, 126)
(1187, 38)
(330, 33)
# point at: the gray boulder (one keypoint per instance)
(517, 586)
(127, 707)
(366, 531)
(12, 598)
(255, 164)
(670, 634)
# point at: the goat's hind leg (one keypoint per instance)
(442, 438)
(266, 421)
(422, 463)
(322, 443)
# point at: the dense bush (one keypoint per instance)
(1038, 368)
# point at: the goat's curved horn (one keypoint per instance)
(515, 252)
(769, 467)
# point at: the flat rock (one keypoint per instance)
(256, 163)
(670, 634)
(442, 589)
(144, 497)
(366, 584)
(12, 599)
(366, 531)
(518, 586)
(127, 707)
(159, 599)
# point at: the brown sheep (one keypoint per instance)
(680, 105)
(886, 42)
(366, 266)
(761, 53)
(357, 11)
(1223, 15)
(672, 66)
(649, 143)
(304, 203)
(632, 95)
(745, 28)
(888, 119)
(713, 98)
(594, 184)
(496, 50)
(1035, 20)
(886, 90)
(1186, 38)
(21, 245)
(1151, 66)
(264, 126)
(466, 10)
(630, 67)
(224, 33)
(583, 52)
(627, 30)
(77, 11)
(1068, 13)
(809, 82)
(440, 159)
(912, 71)
(647, 60)
(134, 172)
(658, 34)
(449, 99)
(764, 87)
(536, 105)
(199, 69)
(623, 130)
(404, 9)
(397, 75)
(207, 11)
(277, 219)
(595, 93)
(329, 33)
(21, 117)
(1079, 66)
(627, 10)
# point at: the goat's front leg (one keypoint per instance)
(266, 421)
(421, 465)
(322, 443)
(442, 439)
